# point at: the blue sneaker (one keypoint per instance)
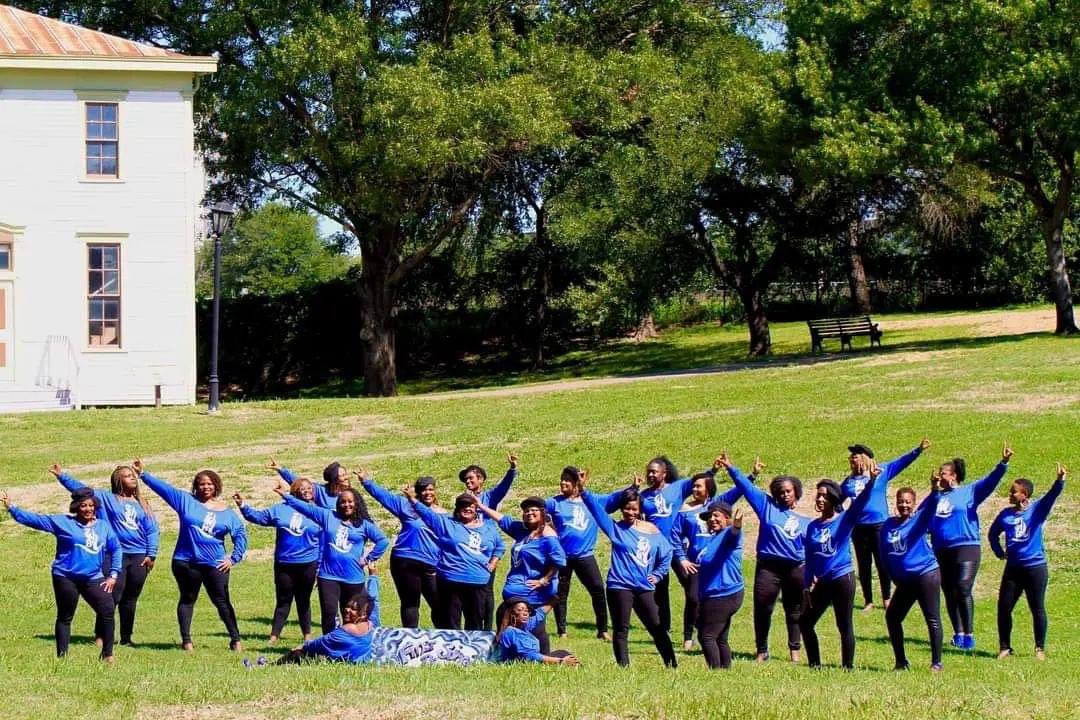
(261, 661)
(969, 642)
(958, 641)
(247, 664)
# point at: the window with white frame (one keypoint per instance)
(103, 296)
(6, 253)
(102, 139)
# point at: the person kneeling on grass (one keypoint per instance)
(515, 639)
(349, 642)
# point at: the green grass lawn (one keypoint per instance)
(968, 391)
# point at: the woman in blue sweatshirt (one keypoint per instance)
(131, 519)
(415, 554)
(720, 581)
(349, 642)
(956, 537)
(83, 542)
(470, 548)
(1025, 558)
(335, 479)
(910, 561)
(640, 557)
(577, 535)
(344, 560)
(535, 560)
(199, 558)
(868, 524)
(515, 638)
(474, 477)
(829, 578)
(780, 554)
(296, 556)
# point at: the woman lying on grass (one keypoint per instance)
(515, 639)
(349, 642)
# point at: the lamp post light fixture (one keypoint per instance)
(221, 216)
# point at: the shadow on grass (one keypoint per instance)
(922, 643)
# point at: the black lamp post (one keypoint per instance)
(221, 215)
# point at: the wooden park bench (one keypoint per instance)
(843, 328)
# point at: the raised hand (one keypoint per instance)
(410, 492)
(238, 499)
(6, 499)
(137, 466)
(512, 459)
(924, 443)
(56, 470)
(281, 488)
(1006, 452)
(638, 480)
(1062, 471)
(872, 468)
(758, 465)
(935, 481)
(273, 465)
(361, 474)
(583, 476)
(736, 520)
(722, 461)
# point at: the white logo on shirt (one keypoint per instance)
(1020, 529)
(860, 485)
(474, 544)
(790, 528)
(643, 552)
(515, 554)
(662, 507)
(825, 542)
(896, 540)
(91, 541)
(131, 518)
(702, 527)
(341, 540)
(208, 523)
(579, 520)
(296, 525)
(944, 508)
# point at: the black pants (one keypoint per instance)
(126, 592)
(840, 594)
(462, 599)
(293, 581)
(689, 584)
(67, 593)
(959, 566)
(333, 596)
(1031, 582)
(588, 572)
(643, 603)
(190, 578)
(487, 612)
(714, 622)
(541, 634)
(865, 539)
(926, 589)
(413, 580)
(775, 578)
(663, 602)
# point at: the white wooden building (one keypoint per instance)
(100, 188)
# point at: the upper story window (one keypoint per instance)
(102, 140)
(104, 295)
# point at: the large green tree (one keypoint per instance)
(912, 88)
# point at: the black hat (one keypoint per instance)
(860, 449)
(533, 502)
(832, 490)
(716, 505)
(465, 499)
(77, 496)
(422, 482)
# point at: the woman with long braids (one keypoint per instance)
(535, 560)
(199, 558)
(131, 519)
(296, 556)
(335, 479)
(415, 554)
(781, 558)
(82, 544)
(956, 537)
(344, 560)
(640, 556)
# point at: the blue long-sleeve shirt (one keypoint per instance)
(635, 555)
(905, 545)
(342, 646)
(202, 531)
(466, 551)
(342, 555)
(781, 533)
(136, 529)
(574, 524)
(956, 522)
(877, 509)
(1024, 530)
(661, 506)
(828, 542)
(493, 496)
(530, 558)
(80, 549)
(521, 644)
(719, 562)
(415, 541)
(322, 496)
(298, 537)
(689, 532)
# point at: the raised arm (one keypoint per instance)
(491, 513)
(898, 465)
(30, 519)
(283, 472)
(69, 482)
(397, 505)
(603, 520)
(513, 528)
(311, 511)
(497, 493)
(846, 524)
(755, 496)
(924, 514)
(1045, 504)
(173, 496)
(436, 521)
(254, 515)
(984, 488)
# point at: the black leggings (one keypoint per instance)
(293, 581)
(126, 592)
(643, 603)
(540, 633)
(333, 596)
(67, 593)
(190, 578)
(462, 599)
(865, 538)
(1031, 582)
(487, 612)
(413, 580)
(840, 594)
(689, 582)
(926, 589)
(588, 572)
(663, 601)
(959, 565)
(772, 577)
(714, 622)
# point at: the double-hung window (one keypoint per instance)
(102, 140)
(103, 295)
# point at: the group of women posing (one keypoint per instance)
(326, 539)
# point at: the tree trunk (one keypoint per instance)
(1053, 227)
(646, 329)
(860, 289)
(757, 321)
(378, 301)
(543, 295)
